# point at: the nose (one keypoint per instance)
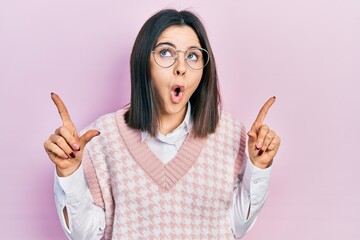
(180, 65)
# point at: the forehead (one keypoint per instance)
(180, 36)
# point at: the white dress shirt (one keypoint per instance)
(87, 220)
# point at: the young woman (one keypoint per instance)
(170, 165)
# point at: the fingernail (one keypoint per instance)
(98, 134)
(274, 97)
(260, 152)
(52, 93)
(72, 155)
(76, 147)
(65, 156)
(259, 144)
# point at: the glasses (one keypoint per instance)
(165, 56)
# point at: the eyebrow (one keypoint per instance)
(173, 45)
(165, 43)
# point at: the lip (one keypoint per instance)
(177, 92)
(181, 88)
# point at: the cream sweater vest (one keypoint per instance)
(187, 198)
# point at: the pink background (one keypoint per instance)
(307, 53)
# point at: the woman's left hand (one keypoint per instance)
(263, 143)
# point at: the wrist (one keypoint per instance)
(262, 165)
(61, 172)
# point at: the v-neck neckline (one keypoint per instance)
(164, 175)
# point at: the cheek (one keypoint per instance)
(194, 85)
(155, 76)
(197, 80)
(159, 79)
(159, 83)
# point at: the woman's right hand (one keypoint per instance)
(64, 147)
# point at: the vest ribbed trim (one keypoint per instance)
(241, 151)
(164, 175)
(92, 180)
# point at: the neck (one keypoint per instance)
(168, 122)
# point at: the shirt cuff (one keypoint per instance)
(73, 186)
(256, 181)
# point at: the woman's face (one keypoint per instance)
(175, 85)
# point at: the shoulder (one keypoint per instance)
(107, 122)
(109, 138)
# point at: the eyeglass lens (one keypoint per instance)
(165, 56)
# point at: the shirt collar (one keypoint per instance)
(186, 124)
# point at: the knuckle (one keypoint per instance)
(59, 140)
(46, 144)
(263, 131)
(277, 141)
(62, 130)
(265, 127)
(270, 135)
(57, 131)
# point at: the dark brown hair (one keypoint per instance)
(205, 101)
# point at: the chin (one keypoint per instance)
(174, 108)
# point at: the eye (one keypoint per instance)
(165, 53)
(194, 54)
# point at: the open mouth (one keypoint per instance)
(177, 93)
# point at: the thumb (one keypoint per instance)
(252, 137)
(86, 137)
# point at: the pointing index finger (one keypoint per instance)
(263, 111)
(64, 114)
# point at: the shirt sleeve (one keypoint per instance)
(86, 220)
(250, 192)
